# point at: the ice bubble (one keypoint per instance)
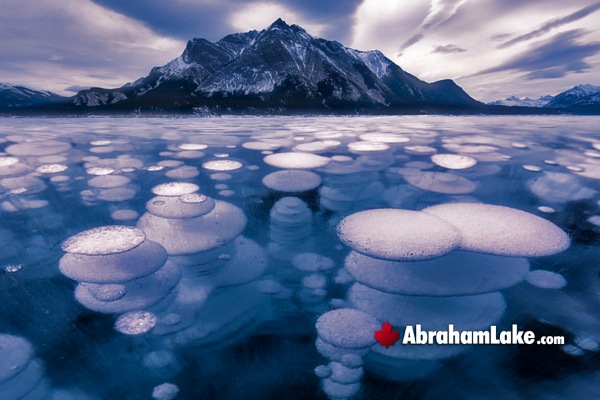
(323, 371)
(420, 150)
(138, 294)
(572, 350)
(165, 391)
(314, 281)
(594, 220)
(15, 354)
(175, 189)
(17, 169)
(183, 172)
(8, 161)
(317, 146)
(453, 161)
(439, 182)
(104, 240)
(550, 162)
(12, 268)
(351, 361)
(400, 235)
(574, 168)
(116, 195)
(185, 206)
(546, 279)
(51, 168)
(99, 171)
(124, 215)
(192, 146)
(312, 262)
(25, 184)
(221, 176)
(500, 230)
(586, 344)
(270, 286)
(340, 391)
(557, 187)
(218, 227)
(60, 178)
(37, 149)
(519, 145)
(470, 148)
(102, 149)
(139, 261)
(190, 155)
(347, 328)
(432, 312)
(261, 146)
(532, 168)
(292, 181)
(222, 165)
(108, 181)
(345, 375)
(546, 209)
(367, 147)
(296, 160)
(383, 138)
(170, 163)
(135, 322)
(154, 168)
(100, 142)
(110, 292)
(458, 273)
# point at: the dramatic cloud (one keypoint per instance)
(212, 19)
(439, 12)
(555, 23)
(555, 58)
(65, 45)
(448, 49)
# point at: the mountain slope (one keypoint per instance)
(580, 99)
(12, 97)
(280, 67)
(514, 101)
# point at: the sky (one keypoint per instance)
(492, 48)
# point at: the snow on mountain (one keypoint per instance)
(280, 66)
(12, 96)
(514, 101)
(580, 95)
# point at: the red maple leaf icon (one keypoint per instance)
(387, 336)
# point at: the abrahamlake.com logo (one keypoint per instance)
(416, 335)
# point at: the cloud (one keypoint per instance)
(555, 23)
(439, 12)
(554, 58)
(58, 44)
(212, 19)
(258, 16)
(448, 49)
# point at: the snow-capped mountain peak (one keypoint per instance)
(281, 66)
(13, 96)
(581, 98)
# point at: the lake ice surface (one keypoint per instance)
(215, 290)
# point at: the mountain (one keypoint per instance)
(279, 68)
(12, 97)
(582, 99)
(514, 101)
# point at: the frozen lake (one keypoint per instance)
(247, 257)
